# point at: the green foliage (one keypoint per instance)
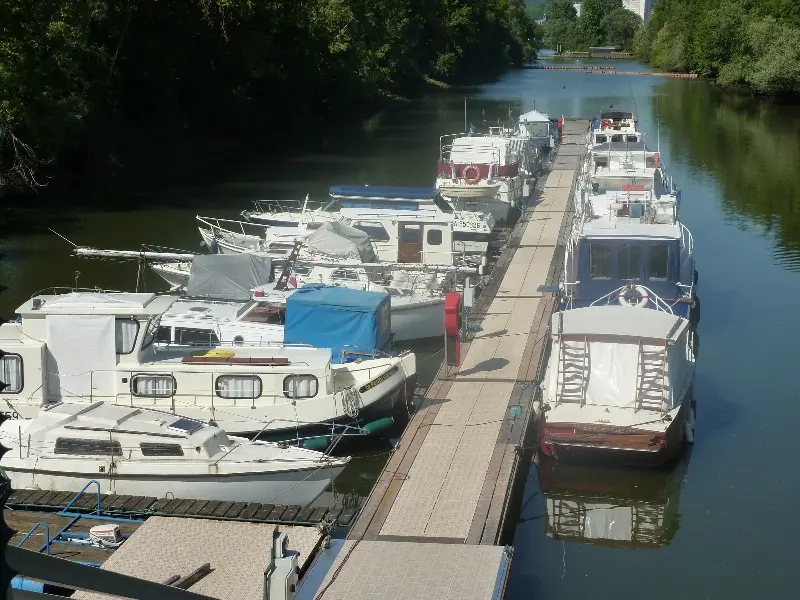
(755, 43)
(602, 23)
(74, 72)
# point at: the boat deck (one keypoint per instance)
(457, 469)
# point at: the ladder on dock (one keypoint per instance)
(573, 371)
(651, 378)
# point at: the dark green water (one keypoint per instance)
(730, 523)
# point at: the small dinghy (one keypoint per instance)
(151, 453)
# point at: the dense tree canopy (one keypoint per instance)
(747, 42)
(601, 23)
(77, 74)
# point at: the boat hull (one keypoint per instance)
(603, 445)
(418, 322)
(300, 487)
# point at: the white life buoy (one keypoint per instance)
(626, 297)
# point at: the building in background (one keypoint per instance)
(643, 8)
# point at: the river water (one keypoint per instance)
(723, 522)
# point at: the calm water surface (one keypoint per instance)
(723, 522)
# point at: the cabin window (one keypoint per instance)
(300, 386)
(434, 237)
(601, 139)
(83, 447)
(164, 334)
(373, 229)
(630, 262)
(616, 138)
(156, 449)
(631, 138)
(411, 234)
(238, 386)
(302, 269)
(126, 331)
(470, 236)
(150, 334)
(238, 340)
(658, 261)
(11, 374)
(349, 274)
(186, 335)
(599, 261)
(153, 386)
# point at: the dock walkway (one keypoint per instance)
(455, 474)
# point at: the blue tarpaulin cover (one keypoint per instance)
(383, 191)
(338, 318)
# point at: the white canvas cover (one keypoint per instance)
(612, 373)
(342, 241)
(81, 356)
(228, 276)
(480, 150)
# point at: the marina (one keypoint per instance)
(492, 480)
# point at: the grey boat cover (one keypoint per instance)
(227, 276)
(342, 241)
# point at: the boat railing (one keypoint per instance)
(658, 302)
(223, 226)
(686, 238)
(492, 153)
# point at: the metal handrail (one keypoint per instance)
(33, 529)
(659, 303)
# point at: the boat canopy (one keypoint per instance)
(383, 192)
(339, 240)
(228, 276)
(352, 320)
(619, 321)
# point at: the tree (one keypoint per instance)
(562, 10)
(618, 28)
(592, 15)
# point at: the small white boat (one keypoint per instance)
(150, 453)
(464, 190)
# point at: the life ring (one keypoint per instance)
(627, 296)
(471, 179)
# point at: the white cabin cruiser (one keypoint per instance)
(145, 452)
(627, 245)
(96, 346)
(380, 236)
(618, 385)
(223, 302)
(618, 127)
(477, 172)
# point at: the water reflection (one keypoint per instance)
(752, 148)
(612, 506)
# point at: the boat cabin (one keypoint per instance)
(480, 157)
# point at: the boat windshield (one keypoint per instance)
(442, 204)
(150, 333)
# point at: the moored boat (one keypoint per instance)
(145, 452)
(98, 346)
(618, 385)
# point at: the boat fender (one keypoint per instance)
(374, 427)
(689, 424)
(219, 354)
(471, 174)
(625, 300)
(316, 443)
(656, 160)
